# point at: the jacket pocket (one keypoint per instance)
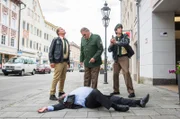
(57, 55)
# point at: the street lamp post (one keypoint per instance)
(19, 23)
(39, 55)
(105, 12)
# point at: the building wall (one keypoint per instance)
(40, 32)
(129, 21)
(146, 61)
(75, 54)
(157, 52)
(163, 46)
(8, 30)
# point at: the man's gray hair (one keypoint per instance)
(85, 29)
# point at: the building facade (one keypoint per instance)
(129, 21)
(159, 38)
(36, 33)
(74, 54)
(8, 29)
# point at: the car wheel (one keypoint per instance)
(21, 73)
(33, 72)
(5, 74)
(49, 72)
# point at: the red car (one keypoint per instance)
(43, 69)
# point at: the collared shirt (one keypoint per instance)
(65, 56)
(80, 95)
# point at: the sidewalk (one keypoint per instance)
(163, 104)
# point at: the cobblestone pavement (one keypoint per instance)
(163, 104)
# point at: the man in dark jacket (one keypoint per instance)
(122, 51)
(59, 59)
(93, 98)
(91, 50)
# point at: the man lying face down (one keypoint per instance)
(86, 97)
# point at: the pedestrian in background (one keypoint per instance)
(90, 55)
(122, 51)
(59, 58)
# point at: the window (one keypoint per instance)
(5, 19)
(13, 23)
(37, 32)
(32, 29)
(44, 35)
(12, 42)
(27, 43)
(27, 26)
(32, 14)
(47, 36)
(36, 46)
(40, 33)
(13, 7)
(40, 47)
(30, 43)
(24, 24)
(22, 41)
(5, 2)
(38, 18)
(3, 39)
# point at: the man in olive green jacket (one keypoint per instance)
(91, 50)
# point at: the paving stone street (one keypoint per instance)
(20, 97)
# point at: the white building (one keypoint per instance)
(36, 33)
(159, 39)
(9, 14)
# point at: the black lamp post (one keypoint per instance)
(105, 12)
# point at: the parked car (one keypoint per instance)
(19, 65)
(43, 69)
(71, 68)
(81, 69)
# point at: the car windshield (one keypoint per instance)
(16, 60)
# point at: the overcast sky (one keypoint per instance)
(72, 15)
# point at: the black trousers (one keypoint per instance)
(124, 101)
(96, 99)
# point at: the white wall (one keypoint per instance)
(146, 61)
(163, 46)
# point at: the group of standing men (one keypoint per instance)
(90, 55)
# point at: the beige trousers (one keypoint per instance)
(59, 76)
